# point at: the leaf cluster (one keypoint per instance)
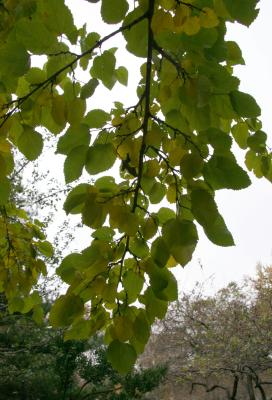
(173, 146)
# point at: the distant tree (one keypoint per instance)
(220, 344)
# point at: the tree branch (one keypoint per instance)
(21, 100)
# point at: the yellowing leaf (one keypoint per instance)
(124, 220)
(75, 111)
(167, 4)
(208, 18)
(191, 26)
(59, 111)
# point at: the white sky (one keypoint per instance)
(247, 212)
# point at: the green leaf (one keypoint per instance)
(30, 143)
(80, 330)
(155, 307)
(65, 310)
(244, 104)
(164, 214)
(234, 54)
(100, 158)
(89, 89)
(157, 193)
(149, 228)
(75, 110)
(106, 184)
(74, 136)
(15, 60)
(57, 17)
(162, 281)
(38, 314)
(133, 283)
(93, 213)
(257, 141)
(122, 75)
(105, 233)
(5, 188)
(34, 35)
(220, 141)
(74, 163)
(191, 165)
(113, 12)
(181, 238)
(243, 11)
(224, 173)
(160, 252)
(122, 356)
(221, 105)
(45, 248)
(69, 265)
(104, 69)
(240, 134)
(75, 200)
(136, 41)
(138, 247)
(141, 327)
(96, 118)
(124, 220)
(206, 213)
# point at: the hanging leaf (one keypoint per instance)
(122, 356)
(243, 11)
(206, 213)
(65, 310)
(15, 60)
(74, 163)
(104, 69)
(181, 238)
(245, 105)
(30, 143)
(113, 12)
(100, 157)
(75, 136)
(224, 173)
(96, 118)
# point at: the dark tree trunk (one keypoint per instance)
(250, 389)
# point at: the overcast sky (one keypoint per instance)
(247, 212)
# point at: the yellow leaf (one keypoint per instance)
(164, 93)
(182, 13)
(171, 262)
(171, 193)
(59, 110)
(191, 26)
(208, 18)
(75, 111)
(167, 4)
(162, 21)
(152, 168)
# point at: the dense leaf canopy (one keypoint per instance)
(172, 146)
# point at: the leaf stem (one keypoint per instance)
(21, 100)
